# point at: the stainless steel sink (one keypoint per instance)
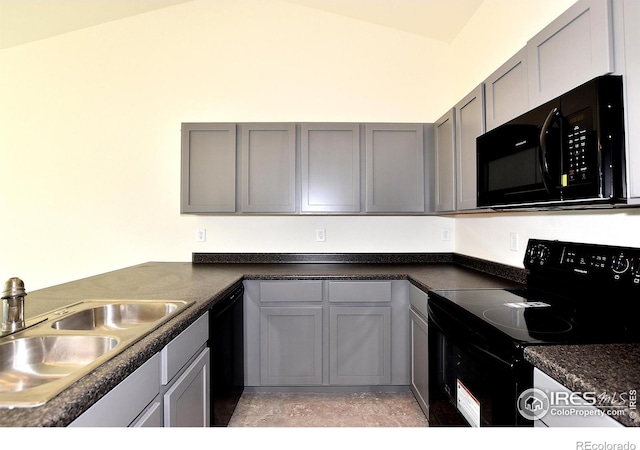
(116, 316)
(63, 346)
(36, 360)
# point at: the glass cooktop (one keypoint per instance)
(524, 319)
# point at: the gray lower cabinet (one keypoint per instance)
(186, 402)
(420, 361)
(326, 333)
(394, 159)
(419, 339)
(170, 389)
(130, 399)
(290, 346)
(445, 179)
(208, 178)
(330, 167)
(185, 377)
(268, 167)
(359, 345)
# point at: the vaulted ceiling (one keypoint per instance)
(23, 21)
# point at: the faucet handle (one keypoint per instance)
(13, 287)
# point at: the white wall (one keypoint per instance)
(90, 131)
(488, 235)
(497, 31)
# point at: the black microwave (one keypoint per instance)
(567, 152)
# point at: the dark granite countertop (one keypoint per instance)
(205, 284)
(609, 370)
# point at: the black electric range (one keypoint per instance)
(575, 293)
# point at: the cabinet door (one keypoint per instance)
(268, 168)
(394, 155)
(359, 345)
(469, 125)
(420, 361)
(186, 403)
(330, 160)
(631, 73)
(151, 417)
(290, 345)
(208, 178)
(573, 49)
(445, 188)
(507, 91)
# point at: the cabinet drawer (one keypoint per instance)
(418, 300)
(291, 291)
(179, 351)
(360, 291)
(124, 402)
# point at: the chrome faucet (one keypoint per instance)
(13, 306)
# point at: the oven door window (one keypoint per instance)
(468, 387)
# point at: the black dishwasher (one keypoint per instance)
(227, 355)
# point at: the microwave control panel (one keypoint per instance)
(579, 156)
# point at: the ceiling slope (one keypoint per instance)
(23, 21)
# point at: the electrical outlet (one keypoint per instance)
(201, 236)
(513, 241)
(446, 234)
(321, 235)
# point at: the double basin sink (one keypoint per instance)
(60, 347)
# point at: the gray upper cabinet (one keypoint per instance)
(507, 91)
(628, 37)
(268, 167)
(573, 49)
(304, 168)
(394, 159)
(330, 167)
(469, 124)
(208, 168)
(445, 186)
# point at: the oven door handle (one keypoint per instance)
(494, 357)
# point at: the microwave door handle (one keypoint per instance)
(544, 143)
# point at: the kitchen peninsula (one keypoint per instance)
(205, 284)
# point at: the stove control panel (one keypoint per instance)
(601, 263)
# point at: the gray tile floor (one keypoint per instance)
(328, 410)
